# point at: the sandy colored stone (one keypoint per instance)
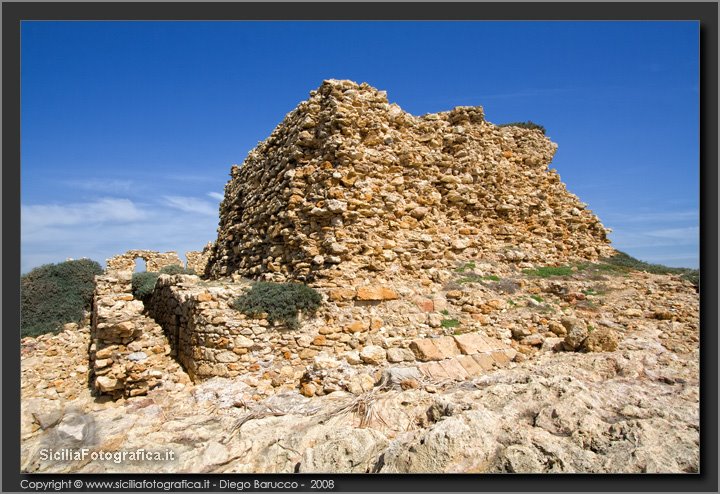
(425, 350)
(470, 365)
(446, 346)
(341, 294)
(601, 340)
(376, 293)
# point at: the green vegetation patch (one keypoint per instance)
(176, 269)
(280, 301)
(548, 271)
(143, 283)
(449, 323)
(55, 294)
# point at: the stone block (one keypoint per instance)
(424, 350)
(470, 365)
(434, 370)
(447, 346)
(484, 360)
(454, 369)
(341, 294)
(500, 358)
(373, 355)
(399, 355)
(376, 293)
(470, 343)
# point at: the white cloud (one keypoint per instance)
(36, 216)
(691, 233)
(216, 195)
(99, 230)
(111, 186)
(191, 205)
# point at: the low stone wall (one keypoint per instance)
(210, 338)
(128, 350)
(356, 332)
(154, 261)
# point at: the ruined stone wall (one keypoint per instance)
(349, 183)
(360, 330)
(210, 338)
(129, 353)
(197, 260)
(154, 261)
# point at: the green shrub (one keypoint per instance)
(449, 323)
(524, 125)
(56, 294)
(143, 284)
(547, 271)
(176, 269)
(280, 301)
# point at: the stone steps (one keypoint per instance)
(460, 357)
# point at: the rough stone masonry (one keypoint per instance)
(350, 183)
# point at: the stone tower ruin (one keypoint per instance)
(350, 183)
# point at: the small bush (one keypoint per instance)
(176, 269)
(449, 323)
(537, 298)
(548, 271)
(56, 294)
(280, 301)
(525, 125)
(143, 284)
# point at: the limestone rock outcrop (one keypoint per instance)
(349, 182)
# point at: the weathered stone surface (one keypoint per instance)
(446, 346)
(470, 343)
(399, 355)
(341, 294)
(601, 340)
(373, 355)
(576, 333)
(346, 170)
(425, 350)
(375, 293)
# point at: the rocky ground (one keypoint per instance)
(604, 378)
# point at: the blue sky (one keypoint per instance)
(129, 129)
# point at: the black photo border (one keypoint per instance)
(704, 12)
